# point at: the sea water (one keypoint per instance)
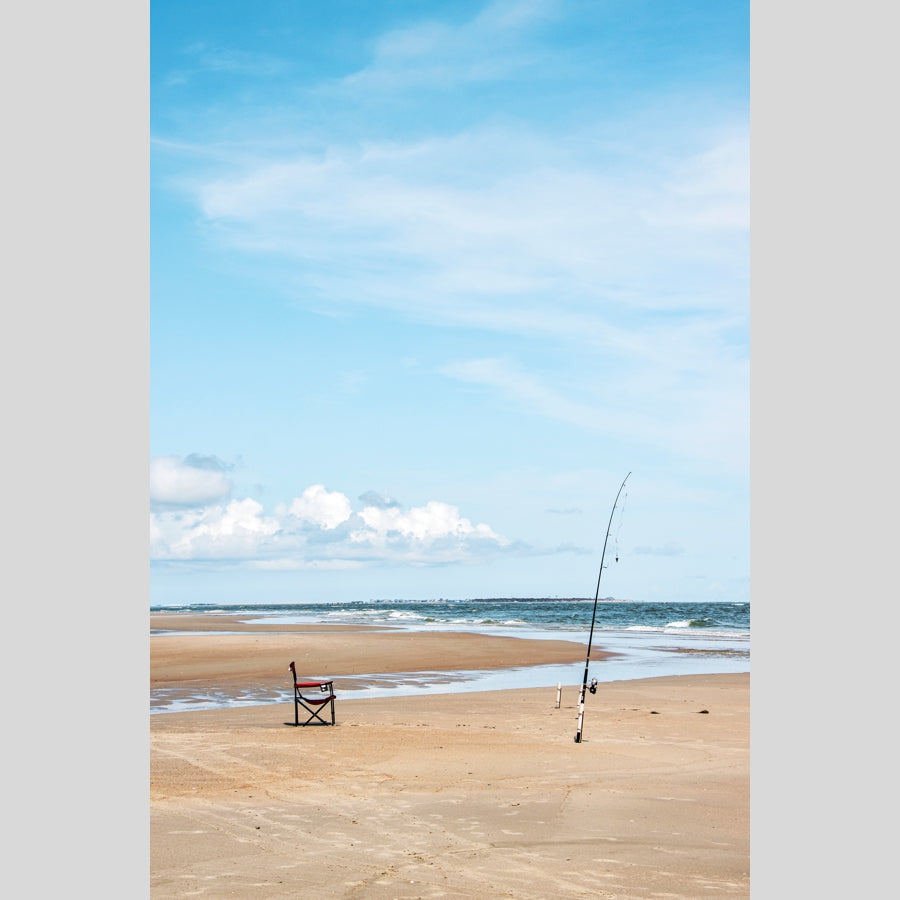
(648, 639)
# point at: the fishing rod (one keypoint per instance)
(587, 660)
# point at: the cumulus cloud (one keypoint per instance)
(320, 507)
(424, 525)
(190, 481)
(319, 529)
(236, 530)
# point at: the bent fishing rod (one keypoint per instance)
(587, 660)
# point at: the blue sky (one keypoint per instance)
(428, 280)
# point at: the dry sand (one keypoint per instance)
(468, 795)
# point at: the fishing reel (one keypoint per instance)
(593, 686)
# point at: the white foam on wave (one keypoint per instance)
(674, 628)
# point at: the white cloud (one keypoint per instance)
(192, 481)
(241, 532)
(523, 387)
(321, 507)
(704, 417)
(237, 530)
(424, 524)
(710, 189)
(505, 224)
(204, 57)
(503, 228)
(485, 48)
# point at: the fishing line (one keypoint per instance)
(619, 528)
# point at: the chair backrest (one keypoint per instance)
(325, 687)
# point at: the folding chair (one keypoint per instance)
(311, 702)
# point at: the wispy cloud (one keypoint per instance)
(578, 229)
(202, 58)
(642, 267)
(622, 238)
(670, 548)
(698, 416)
(522, 387)
(501, 218)
(636, 260)
(433, 53)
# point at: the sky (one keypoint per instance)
(429, 281)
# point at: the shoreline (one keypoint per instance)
(238, 661)
(201, 661)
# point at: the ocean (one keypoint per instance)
(650, 639)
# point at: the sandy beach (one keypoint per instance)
(472, 795)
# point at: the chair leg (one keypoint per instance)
(315, 711)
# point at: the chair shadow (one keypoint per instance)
(309, 724)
